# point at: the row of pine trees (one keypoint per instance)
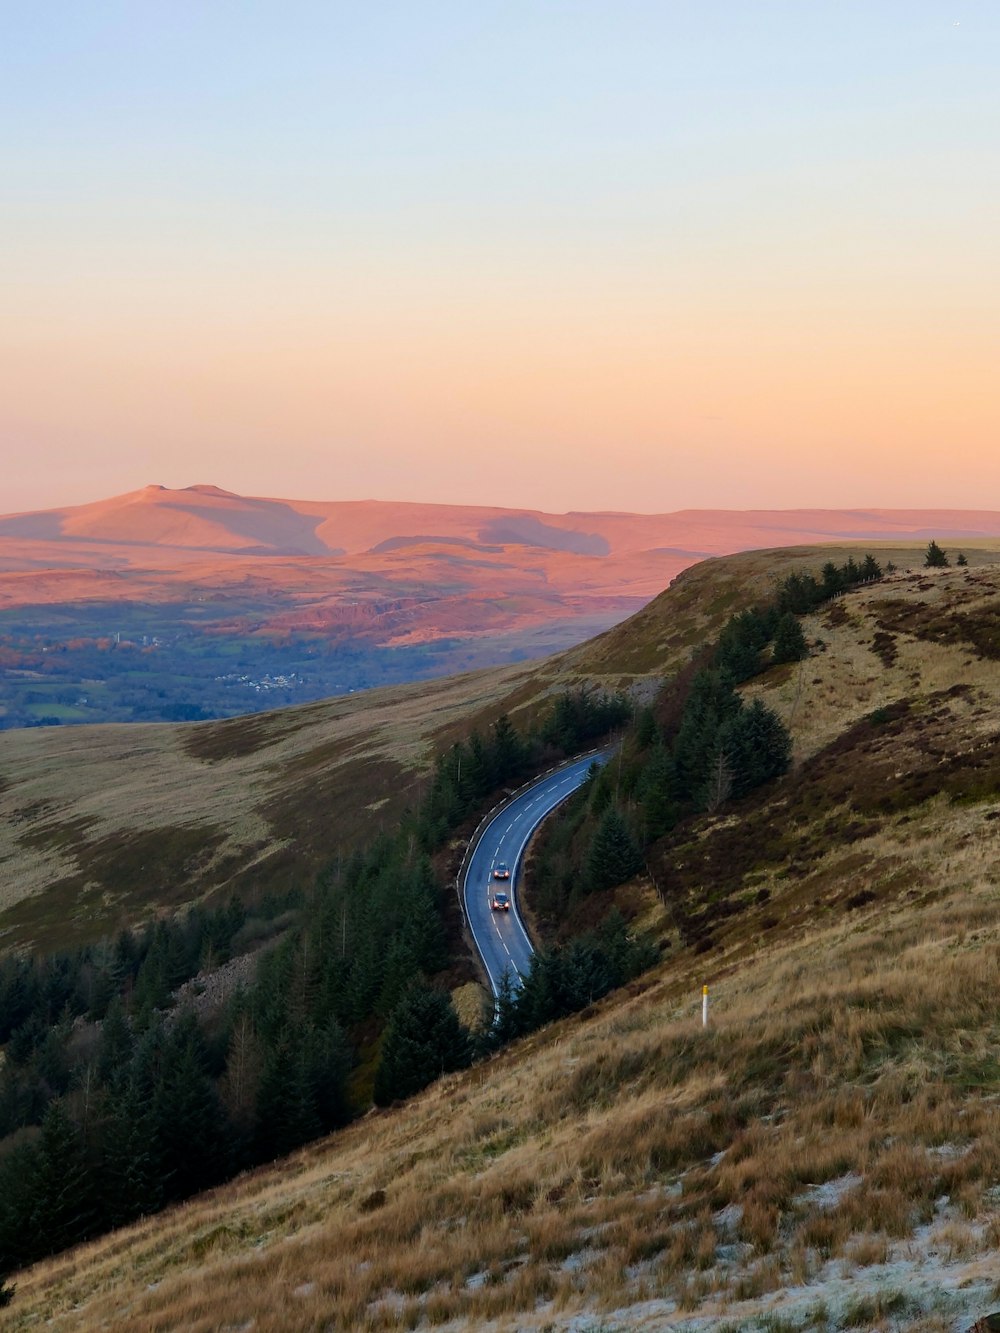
(696, 748)
(113, 1103)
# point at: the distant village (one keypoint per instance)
(265, 683)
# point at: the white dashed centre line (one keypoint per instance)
(524, 819)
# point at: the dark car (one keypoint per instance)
(501, 870)
(500, 902)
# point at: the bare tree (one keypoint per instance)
(243, 1069)
(720, 783)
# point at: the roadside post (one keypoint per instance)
(704, 1006)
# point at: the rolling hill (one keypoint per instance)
(103, 824)
(174, 605)
(400, 572)
(824, 1155)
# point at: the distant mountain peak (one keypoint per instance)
(213, 490)
(154, 491)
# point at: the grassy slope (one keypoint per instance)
(828, 1149)
(102, 822)
(101, 825)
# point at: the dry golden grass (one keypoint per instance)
(847, 678)
(252, 801)
(848, 1083)
(839, 1118)
(660, 638)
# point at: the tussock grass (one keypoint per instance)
(507, 1189)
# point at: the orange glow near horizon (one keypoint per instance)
(676, 267)
(633, 406)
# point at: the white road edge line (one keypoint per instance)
(576, 774)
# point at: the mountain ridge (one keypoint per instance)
(507, 582)
(244, 800)
(198, 517)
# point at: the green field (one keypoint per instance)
(83, 663)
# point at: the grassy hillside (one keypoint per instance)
(825, 1155)
(101, 825)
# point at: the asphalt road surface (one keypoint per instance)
(500, 936)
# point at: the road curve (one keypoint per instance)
(500, 937)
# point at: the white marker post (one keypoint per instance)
(704, 1006)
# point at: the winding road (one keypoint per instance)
(500, 937)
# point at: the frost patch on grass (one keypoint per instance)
(579, 1259)
(949, 1152)
(830, 1193)
(389, 1302)
(729, 1218)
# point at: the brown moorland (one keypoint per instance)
(103, 825)
(825, 1155)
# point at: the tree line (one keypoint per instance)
(471, 770)
(697, 747)
(114, 1104)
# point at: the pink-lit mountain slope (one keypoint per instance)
(399, 572)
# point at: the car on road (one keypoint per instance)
(500, 902)
(501, 870)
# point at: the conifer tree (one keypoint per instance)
(789, 641)
(330, 1062)
(711, 702)
(241, 1080)
(935, 557)
(507, 1024)
(106, 981)
(614, 856)
(188, 1118)
(116, 1044)
(758, 747)
(18, 1198)
(423, 1040)
(509, 751)
(646, 730)
(64, 1205)
(719, 785)
(479, 769)
(131, 1175)
(281, 1115)
(656, 794)
(834, 579)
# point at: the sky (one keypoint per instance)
(561, 254)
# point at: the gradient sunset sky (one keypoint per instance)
(559, 254)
